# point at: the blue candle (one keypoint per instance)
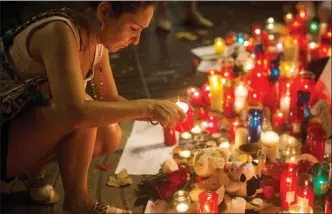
(255, 123)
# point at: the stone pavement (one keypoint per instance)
(166, 64)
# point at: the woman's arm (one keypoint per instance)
(59, 52)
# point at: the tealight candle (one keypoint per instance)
(196, 130)
(186, 136)
(224, 145)
(269, 142)
(238, 205)
(300, 208)
(219, 45)
(185, 154)
(189, 122)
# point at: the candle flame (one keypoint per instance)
(289, 16)
(312, 45)
(246, 43)
(302, 14)
(257, 31)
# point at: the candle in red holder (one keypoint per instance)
(169, 137)
(328, 203)
(324, 51)
(203, 113)
(206, 93)
(196, 98)
(313, 50)
(233, 127)
(250, 44)
(230, 38)
(278, 121)
(305, 193)
(208, 202)
(229, 99)
(315, 142)
(212, 125)
(268, 189)
(276, 174)
(254, 98)
(189, 122)
(288, 185)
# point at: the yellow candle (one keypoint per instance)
(219, 45)
(291, 49)
(216, 90)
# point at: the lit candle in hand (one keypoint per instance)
(189, 122)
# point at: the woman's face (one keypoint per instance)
(120, 32)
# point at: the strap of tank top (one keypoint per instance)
(9, 36)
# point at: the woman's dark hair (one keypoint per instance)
(118, 7)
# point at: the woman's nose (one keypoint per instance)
(136, 39)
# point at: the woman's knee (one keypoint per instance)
(108, 139)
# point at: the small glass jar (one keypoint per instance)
(208, 202)
(181, 201)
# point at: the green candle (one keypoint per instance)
(321, 178)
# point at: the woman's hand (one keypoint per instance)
(166, 113)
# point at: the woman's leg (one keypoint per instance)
(36, 134)
(108, 139)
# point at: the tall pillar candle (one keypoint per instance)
(241, 93)
(216, 90)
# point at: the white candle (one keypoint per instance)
(241, 136)
(185, 153)
(196, 129)
(238, 205)
(269, 142)
(239, 104)
(186, 135)
(182, 207)
(285, 104)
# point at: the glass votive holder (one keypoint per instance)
(181, 201)
(188, 124)
(208, 202)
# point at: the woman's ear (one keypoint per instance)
(104, 11)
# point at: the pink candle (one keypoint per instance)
(189, 122)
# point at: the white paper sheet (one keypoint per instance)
(205, 65)
(144, 151)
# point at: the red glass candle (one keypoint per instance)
(196, 98)
(323, 51)
(212, 125)
(255, 98)
(233, 127)
(203, 113)
(169, 137)
(227, 71)
(288, 185)
(206, 93)
(307, 81)
(229, 99)
(313, 51)
(230, 38)
(278, 121)
(189, 122)
(276, 174)
(256, 30)
(208, 202)
(268, 189)
(250, 44)
(305, 193)
(328, 203)
(315, 142)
